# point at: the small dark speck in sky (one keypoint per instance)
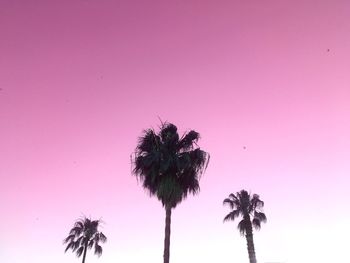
(328, 49)
(244, 148)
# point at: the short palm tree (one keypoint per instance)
(85, 235)
(249, 207)
(169, 167)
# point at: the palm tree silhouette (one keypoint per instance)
(169, 167)
(247, 206)
(85, 235)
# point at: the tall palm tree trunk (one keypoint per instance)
(166, 255)
(251, 250)
(250, 243)
(85, 249)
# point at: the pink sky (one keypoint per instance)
(80, 80)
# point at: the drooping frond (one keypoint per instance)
(80, 251)
(256, 203)
(229, 202)
(76, 231)
(233, 197)
(98, 250)
(232, 215)
(199, 160)
(80, 223)
(243, 226)
(256, 223)
(103, 238)
(168, 134)
(76, 245)
(68, 239)
(148, 142)
(91, 243)
(260, 216)
(187, 141)
(69, 246)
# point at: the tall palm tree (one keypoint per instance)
(250, 208)
(169, 167)
(85, 235)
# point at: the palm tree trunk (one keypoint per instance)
(250, 245)
(84, 254)
(166, 255)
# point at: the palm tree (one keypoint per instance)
(85, 235)
(169, 167)
(249, 207)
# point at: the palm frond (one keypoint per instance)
(80, 251)
(76, 231)
(233, 196)
(256, 202)
(98, 250)
(76, 245)
(261, 216)
(168, 134)
(187, 141)
(103, 238)
(232, 215)
(80, 223)
(242, 227)
(229, 202)
(256, 223)
(91, 243)
(69, 246)
(80, 240)
(68, 239)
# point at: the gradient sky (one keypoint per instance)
(80, 80)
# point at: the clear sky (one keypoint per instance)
(265, 83)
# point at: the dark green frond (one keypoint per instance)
(98, 250)
(169, 191)
(187, 141)
(76, 231)
(148, 142)
(261, 216)
(69, 246)
(242, 227)
(229, 202)
(232, 215)
(80, 251)
(232, 201)
(80, 224)
(91, 243)
(168, 134)
(256, 223)
(256, 202)
(76, 245)
(233, 197)
(70, 238)
(80, 240)
(103, 238)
